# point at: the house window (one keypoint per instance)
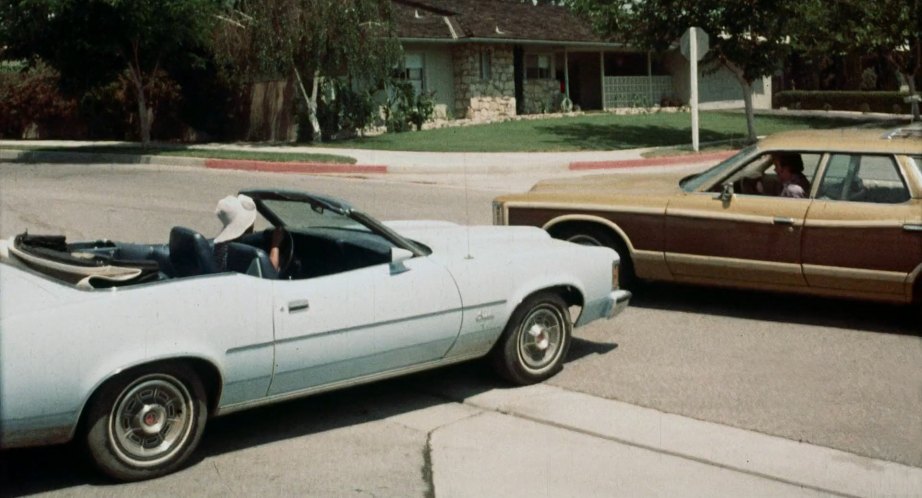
(413, 73)
(537, 66)
(486, 64)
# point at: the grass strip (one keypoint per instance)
(180, 151)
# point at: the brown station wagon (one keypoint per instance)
(856, 233)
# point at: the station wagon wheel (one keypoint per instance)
(536, 340)
(147, 423)
(588, 235)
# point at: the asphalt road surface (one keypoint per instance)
(834, 373)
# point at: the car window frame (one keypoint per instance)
(895, 160)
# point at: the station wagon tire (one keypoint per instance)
(146, 423)
(535, 342)
(591, 236)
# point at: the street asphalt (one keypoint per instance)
(569, 443)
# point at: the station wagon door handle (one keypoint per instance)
(912, 227)
(299, 305)
(783, 221)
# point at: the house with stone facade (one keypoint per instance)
(488, 59)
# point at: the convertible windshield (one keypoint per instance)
(298, 214)
(695, 182)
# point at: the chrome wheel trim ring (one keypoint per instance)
(151, 420)
(584, 240)
(541, 337)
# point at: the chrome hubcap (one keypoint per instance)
(151, 420)
(540, 342)
(540, 337)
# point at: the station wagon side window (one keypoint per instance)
(863, 178)
(758, 176)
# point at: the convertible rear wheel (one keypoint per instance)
(146, 423)
(535, 342)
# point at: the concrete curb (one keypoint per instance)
(652, 161)
(774, 458)
(429, 163)
(293, 167)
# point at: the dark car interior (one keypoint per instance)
(306, 253)
(316, 252)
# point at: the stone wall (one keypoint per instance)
(541, 96)
(476, 98)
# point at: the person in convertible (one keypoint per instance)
(238, 215)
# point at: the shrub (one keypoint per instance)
(422, 109)
(30, 97)
(405, 108)
(842, 101)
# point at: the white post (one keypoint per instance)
(693, 77)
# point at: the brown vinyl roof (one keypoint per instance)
(499, 20)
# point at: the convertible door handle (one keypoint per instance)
(783, 221)
(299, 305)
(912, 227)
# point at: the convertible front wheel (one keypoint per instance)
(146, 424)
(535, 342)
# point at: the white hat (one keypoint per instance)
(237, 214)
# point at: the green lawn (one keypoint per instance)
(598, 131)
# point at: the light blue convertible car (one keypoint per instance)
(130, 348)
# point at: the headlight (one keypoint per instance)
(499, 217)
(615, 274)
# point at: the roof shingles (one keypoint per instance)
(489, 19)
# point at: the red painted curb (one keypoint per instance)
(652, 161)
(293, 167)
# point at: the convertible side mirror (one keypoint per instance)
(398, 256)
(726, 192)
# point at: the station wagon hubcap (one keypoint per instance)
(540, 338)
(151, 420)
(584, 240)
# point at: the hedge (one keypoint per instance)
(886, 102)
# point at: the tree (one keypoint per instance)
(890, 28)
(90, 42)
(746, 37)
(310, 39)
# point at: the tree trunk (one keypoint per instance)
(750, 112)
(144, 115)
(747, 101)
(911, 79)
(311, 101)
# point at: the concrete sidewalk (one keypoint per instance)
(545, 441)
(367, 161)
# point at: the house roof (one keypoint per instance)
(497, 21)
